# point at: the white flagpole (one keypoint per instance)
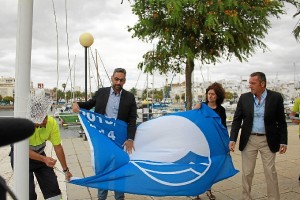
(22, 91)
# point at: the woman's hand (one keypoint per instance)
(197, 106)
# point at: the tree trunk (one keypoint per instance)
(188, 82)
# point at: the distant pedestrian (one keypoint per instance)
(294, 115)
(114, 102)
(214, 97)
(261, 118)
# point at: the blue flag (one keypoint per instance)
(180, 154)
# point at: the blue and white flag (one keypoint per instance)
(180, 154)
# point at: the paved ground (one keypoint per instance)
(78, 158)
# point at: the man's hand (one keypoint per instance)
(129, 146)
(68, 175)
(293, 119)
(75, 107)
(231, 146)
(50, 162)
(282, 149)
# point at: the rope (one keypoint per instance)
(7, 189)
(57, 50)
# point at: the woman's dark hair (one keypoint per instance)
(219, 90)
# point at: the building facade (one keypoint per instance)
(7, 87)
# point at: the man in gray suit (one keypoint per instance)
(114, 102)
(260, 116)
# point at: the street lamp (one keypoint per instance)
(86, 40)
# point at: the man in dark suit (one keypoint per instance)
(260, 115)
(117, 103)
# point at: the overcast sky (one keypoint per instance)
(107, 21)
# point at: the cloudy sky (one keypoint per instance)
(107, 21)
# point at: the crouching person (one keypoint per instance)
(41, 165)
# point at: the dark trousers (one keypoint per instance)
(2, 189)
(45, 176)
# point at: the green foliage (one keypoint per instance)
(228, 95)
(8, 99)
(177, 97)
(60, 94)
(207, 30)
(157, 94)
(78, 94)
(133, 91)
(296, 31)
(167, 90)
(68, 95)
(183, 96)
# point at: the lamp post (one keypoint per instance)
(86, 40)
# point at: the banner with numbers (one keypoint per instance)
(180, 154)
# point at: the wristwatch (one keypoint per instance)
(66, 170)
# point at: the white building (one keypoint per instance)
(289, 89)
(7, 87)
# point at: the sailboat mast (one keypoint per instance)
(57, 52)
(97, 69)
(295, 84)
(152, 87)
(90, 73)
(73, 91)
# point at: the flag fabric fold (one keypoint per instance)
(180, 154)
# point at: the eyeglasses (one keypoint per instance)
(119, 79)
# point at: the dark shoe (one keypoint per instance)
(210, 195)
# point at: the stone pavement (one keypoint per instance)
(78, 159)
(7, 173)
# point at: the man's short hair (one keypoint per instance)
(261, 76)
(122, 70)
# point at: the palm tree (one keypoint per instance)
(64, 86)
